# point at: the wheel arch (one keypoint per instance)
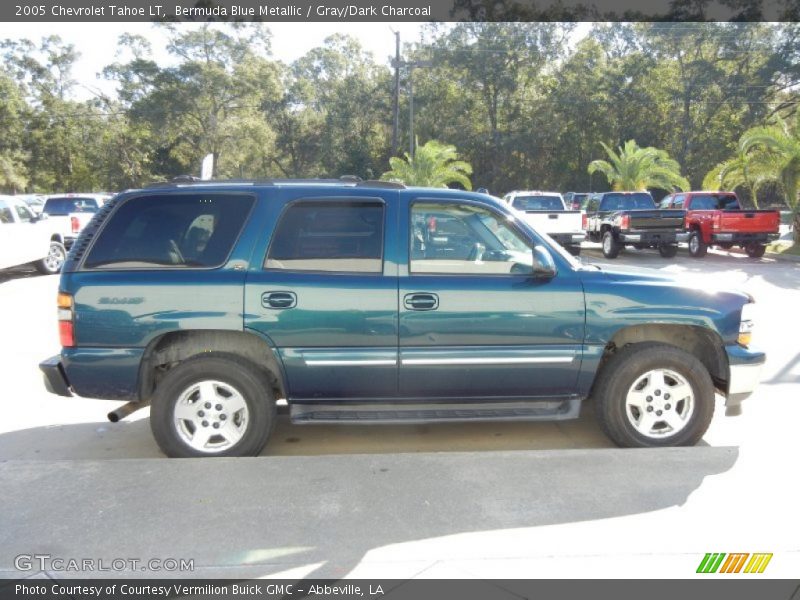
(170, 349)
(702, 343)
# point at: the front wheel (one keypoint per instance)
(611, 247)
(755, 250)
(651, 395)
(52, 263)
(697, 249)
(668, 250)
(212, 405)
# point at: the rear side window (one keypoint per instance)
(59, 206)
(538, 203)
(715, 202)
(187, 230)
(338, 236)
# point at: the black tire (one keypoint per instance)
(668, 250)
(755, 250)
(52, 263)
(623, 370)
(697, 248)
(233, 371)
(611, 247)
(574, 250)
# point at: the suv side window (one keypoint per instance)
(173, 230)
(343, 236)
(462, 239)
(5, 213)
(24, 213)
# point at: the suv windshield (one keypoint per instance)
(622, 201)
(538, 203)
(59, 206)
(715, 202)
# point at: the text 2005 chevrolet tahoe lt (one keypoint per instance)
(376, 303)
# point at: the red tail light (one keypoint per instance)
(625, 222)
(75, 223)
(584, 221)
(716, 221)
(66, 315)
(432, 224)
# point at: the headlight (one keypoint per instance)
(746, 324)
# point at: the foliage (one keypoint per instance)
(433, 165)
(635, 168)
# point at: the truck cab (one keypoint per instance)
(547, 212)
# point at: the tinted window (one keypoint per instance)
(65, 205)
(23, 212)
(465, 240)
(538, 203)
(714, 202)
(191, 230)
(340, 236)
(615, 201)
(5, 213)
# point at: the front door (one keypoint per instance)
(474, 322)
(327, 298)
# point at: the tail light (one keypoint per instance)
(623, 221)
(75, 224)
(432, 224)
(66, 320)
(716, 221)
(584, 221)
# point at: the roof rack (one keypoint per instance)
(353, 180)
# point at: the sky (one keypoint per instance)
(97, 42)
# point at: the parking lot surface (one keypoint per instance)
(473, 500)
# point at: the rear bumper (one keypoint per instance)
(568, 239)
(55, 379)
(735, 237)
(744, 374)
(652, 237)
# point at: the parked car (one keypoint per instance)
(717, 219)
(619, 219)
(69, 213)
(372, 303)
(576, 200)
(34, 201)
(547, 213)
(26, 238)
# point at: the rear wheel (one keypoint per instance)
(213, 405)
(697, 249)
(668, 250)
(611, 247)
(652, 394)
(52, 263)
(755, 250)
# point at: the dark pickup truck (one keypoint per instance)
(717, 218)
(370, 302)
(619, 219)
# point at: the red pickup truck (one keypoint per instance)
(717, 219)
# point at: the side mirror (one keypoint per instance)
(543, 265)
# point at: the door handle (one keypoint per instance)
(417, 301)
(278, 299)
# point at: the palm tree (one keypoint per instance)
(748, 170)
(635, 168)
(780, 143)
(433, 165)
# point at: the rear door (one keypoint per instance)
(325, 293)
(474, 323)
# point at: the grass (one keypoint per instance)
(784, 248)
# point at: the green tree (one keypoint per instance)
(635, 168)
(433, 165)
(13, 172)
(780, 143)
(744, 170)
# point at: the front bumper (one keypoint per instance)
(744, 374)
(55, 379)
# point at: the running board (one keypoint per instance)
(393, 413)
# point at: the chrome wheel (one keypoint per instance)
(694, 244)
(55, 258)
(607, 244)
(211, 416)
(660, 403)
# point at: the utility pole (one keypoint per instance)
(396, 128)
(411, 66)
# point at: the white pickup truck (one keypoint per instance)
(27, 238)
(68, 214)
(547, 213)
